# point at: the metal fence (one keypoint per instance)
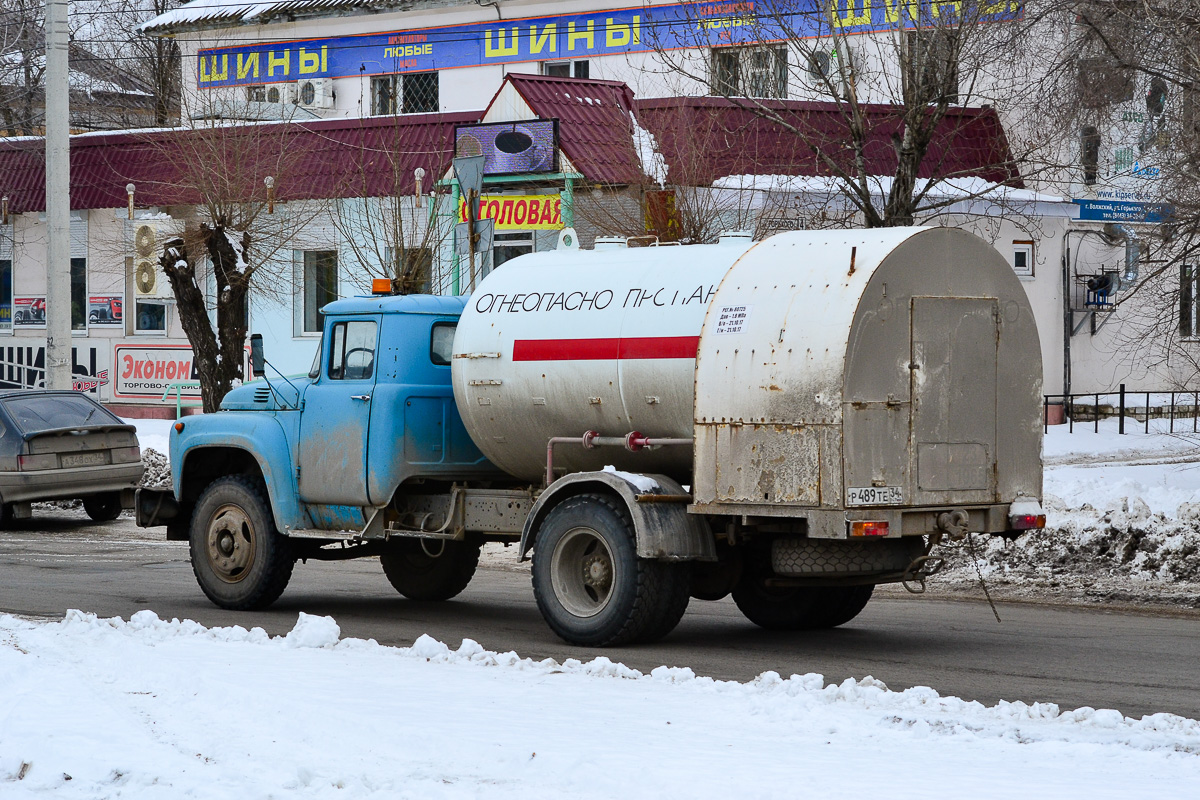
(1172, 405)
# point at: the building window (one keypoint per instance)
(1103, 81)
(415, 93)
(79, 296)
(1189, 300)
(149, 317)
(256, 93)
(931, 62)
(1022, 260)
(1089, 154)
(317, 275)
(352, 351)
(6, 294)
(566, 69)
(510, 245)
(750, 72)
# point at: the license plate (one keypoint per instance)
(82, 459)
(874, 496)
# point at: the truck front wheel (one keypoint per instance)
(590, 584)
(240, 560)
(424, 569)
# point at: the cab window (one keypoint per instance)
(441, 343)
(352, 350)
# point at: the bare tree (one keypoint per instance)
(22, 43)
(233, 180)
(396, 235)
(892, 81)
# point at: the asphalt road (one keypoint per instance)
(1137, 663)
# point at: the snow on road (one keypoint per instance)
(93, 708)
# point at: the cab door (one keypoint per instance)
(337, 415)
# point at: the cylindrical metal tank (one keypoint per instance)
(896, 367)
(561, 343)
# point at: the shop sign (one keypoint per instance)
(1122, 211)
(24, 367)
(509, 212)
(146, 371)
(640, 29)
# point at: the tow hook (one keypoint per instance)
(954, 524)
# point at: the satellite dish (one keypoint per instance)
(145, 277)
(145, 240)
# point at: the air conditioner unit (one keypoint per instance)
(149, 280)
(315, 93)
(145, 241)
(281, 93)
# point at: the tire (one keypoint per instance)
(589, 583)
(103, 507)
(423, 569)
(842, 604)
(240, 560)
(797, 608)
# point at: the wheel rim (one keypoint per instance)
(230, 543)
(583, 572)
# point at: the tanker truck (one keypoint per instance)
(792, 421)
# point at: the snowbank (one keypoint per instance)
(148, 708)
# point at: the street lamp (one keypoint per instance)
(269, 182)
(129, 188)
(419, 174)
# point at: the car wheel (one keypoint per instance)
(429, 569)
(103, 507)
(590, 584)
(240, 560)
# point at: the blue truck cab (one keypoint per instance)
(290, 466)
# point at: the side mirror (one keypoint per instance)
(257, 360)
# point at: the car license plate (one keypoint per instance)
(874, 496)
(82, 459)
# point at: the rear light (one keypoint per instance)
(126, 455)
(864, 528)
(31, 463)
(1025, 522)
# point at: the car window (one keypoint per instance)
(441, 342)
(33, 413)
(352, 350)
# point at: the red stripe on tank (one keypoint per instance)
(603, 349)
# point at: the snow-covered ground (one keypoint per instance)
(93, 708)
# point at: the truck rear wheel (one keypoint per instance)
(796, 608)
(423, 569)
(240, 560)
(590, 584)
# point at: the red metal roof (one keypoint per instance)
(706, 138)
(316, 159)
(595, 126)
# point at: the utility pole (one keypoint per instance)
(58, 201)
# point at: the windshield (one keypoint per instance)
(34, 413)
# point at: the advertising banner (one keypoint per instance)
(510, 212)
(511, 148)
(1122, 211)
(23, 366)
(29, 312)
(105, 310)
(569, 36)
(146, 371)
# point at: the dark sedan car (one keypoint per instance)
(58, 445)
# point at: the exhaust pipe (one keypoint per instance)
(1133, 255)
